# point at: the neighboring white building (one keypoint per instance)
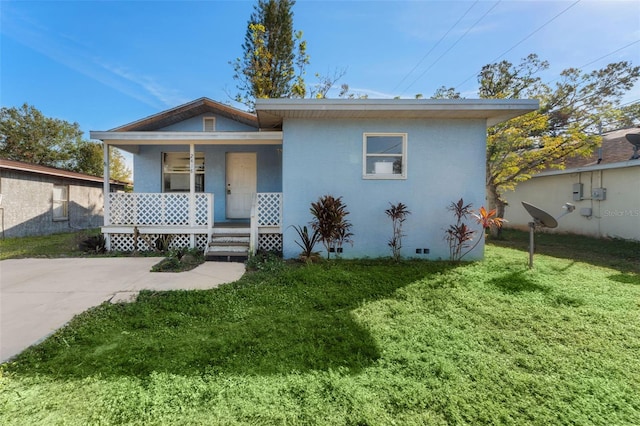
(604, 188)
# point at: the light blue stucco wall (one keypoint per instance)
(148, 169)
(195, 124)
(445, 161)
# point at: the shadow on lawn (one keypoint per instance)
(621, 255)
(299, 319)
(517, 282)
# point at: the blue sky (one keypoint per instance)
(107, 63)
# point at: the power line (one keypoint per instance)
(434, 46)
(602, 57)
(526, 38)
(453, 45)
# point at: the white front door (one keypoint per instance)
(241, 183)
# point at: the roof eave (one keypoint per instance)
(271, 112)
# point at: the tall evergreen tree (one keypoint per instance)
(274, 56)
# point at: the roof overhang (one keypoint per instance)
(51, 171)
(186, 111)
(131, 141)
(272, 112)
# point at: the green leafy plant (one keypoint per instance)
(398, 214)
(329, 221)
(460, 236)
(179, 260)
(265, 261)
(163, 242)
(94, 244)
(307, 243)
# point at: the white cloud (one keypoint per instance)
(76, 55)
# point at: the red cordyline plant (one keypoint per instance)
(329, 221)
(460, 235)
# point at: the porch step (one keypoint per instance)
(229, 243)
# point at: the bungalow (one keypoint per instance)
(214, 177)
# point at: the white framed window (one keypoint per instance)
(209, 124)
(175, 171)
(384, 156)
(60, 205)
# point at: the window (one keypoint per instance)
(384, 156)
(60, 202)
(175, 171)
(209, 124)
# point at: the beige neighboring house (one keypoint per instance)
(604, 188)
(39, 200)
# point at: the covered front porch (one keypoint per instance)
(153, 221)
(191, 205)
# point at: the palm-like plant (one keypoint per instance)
(398, 214)
(307, 243)
(460, 235)
(329, 221)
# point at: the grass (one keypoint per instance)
(56, 245)
(367, 342)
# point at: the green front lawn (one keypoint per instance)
(353, 342)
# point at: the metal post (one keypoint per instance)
(532, 227)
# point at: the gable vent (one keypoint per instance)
(209, 124)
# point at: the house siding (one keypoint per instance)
(26, 207)
(617, 216)
(148, 169)
(321, 157)
(194, 124)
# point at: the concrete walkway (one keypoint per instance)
(38, 296)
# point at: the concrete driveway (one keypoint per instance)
(38, 296)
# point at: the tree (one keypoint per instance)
(274, 59)
(89, 160)
(27, 135)
(446, 93)
(566, 124)
(118, 169)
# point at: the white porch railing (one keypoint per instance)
(159, 209)
(266, 220)
(188, 217)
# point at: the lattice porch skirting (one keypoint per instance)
(270, 242)
(126, 243)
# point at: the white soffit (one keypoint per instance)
(271, 112)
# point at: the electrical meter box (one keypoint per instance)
(577, 191)
(599, 194)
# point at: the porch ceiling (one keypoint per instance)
(271, 112)
(131, 141)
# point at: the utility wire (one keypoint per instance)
(602, 57)
(524, 39)
(434, 46)
(452, 46)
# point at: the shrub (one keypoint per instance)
(94, 244)
(307, 243)
(460, 235)
(329, 221)
(398, 214)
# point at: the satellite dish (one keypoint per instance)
(634, 139)
(540, 217)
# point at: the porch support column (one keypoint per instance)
(192, 193)
(106, 191)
